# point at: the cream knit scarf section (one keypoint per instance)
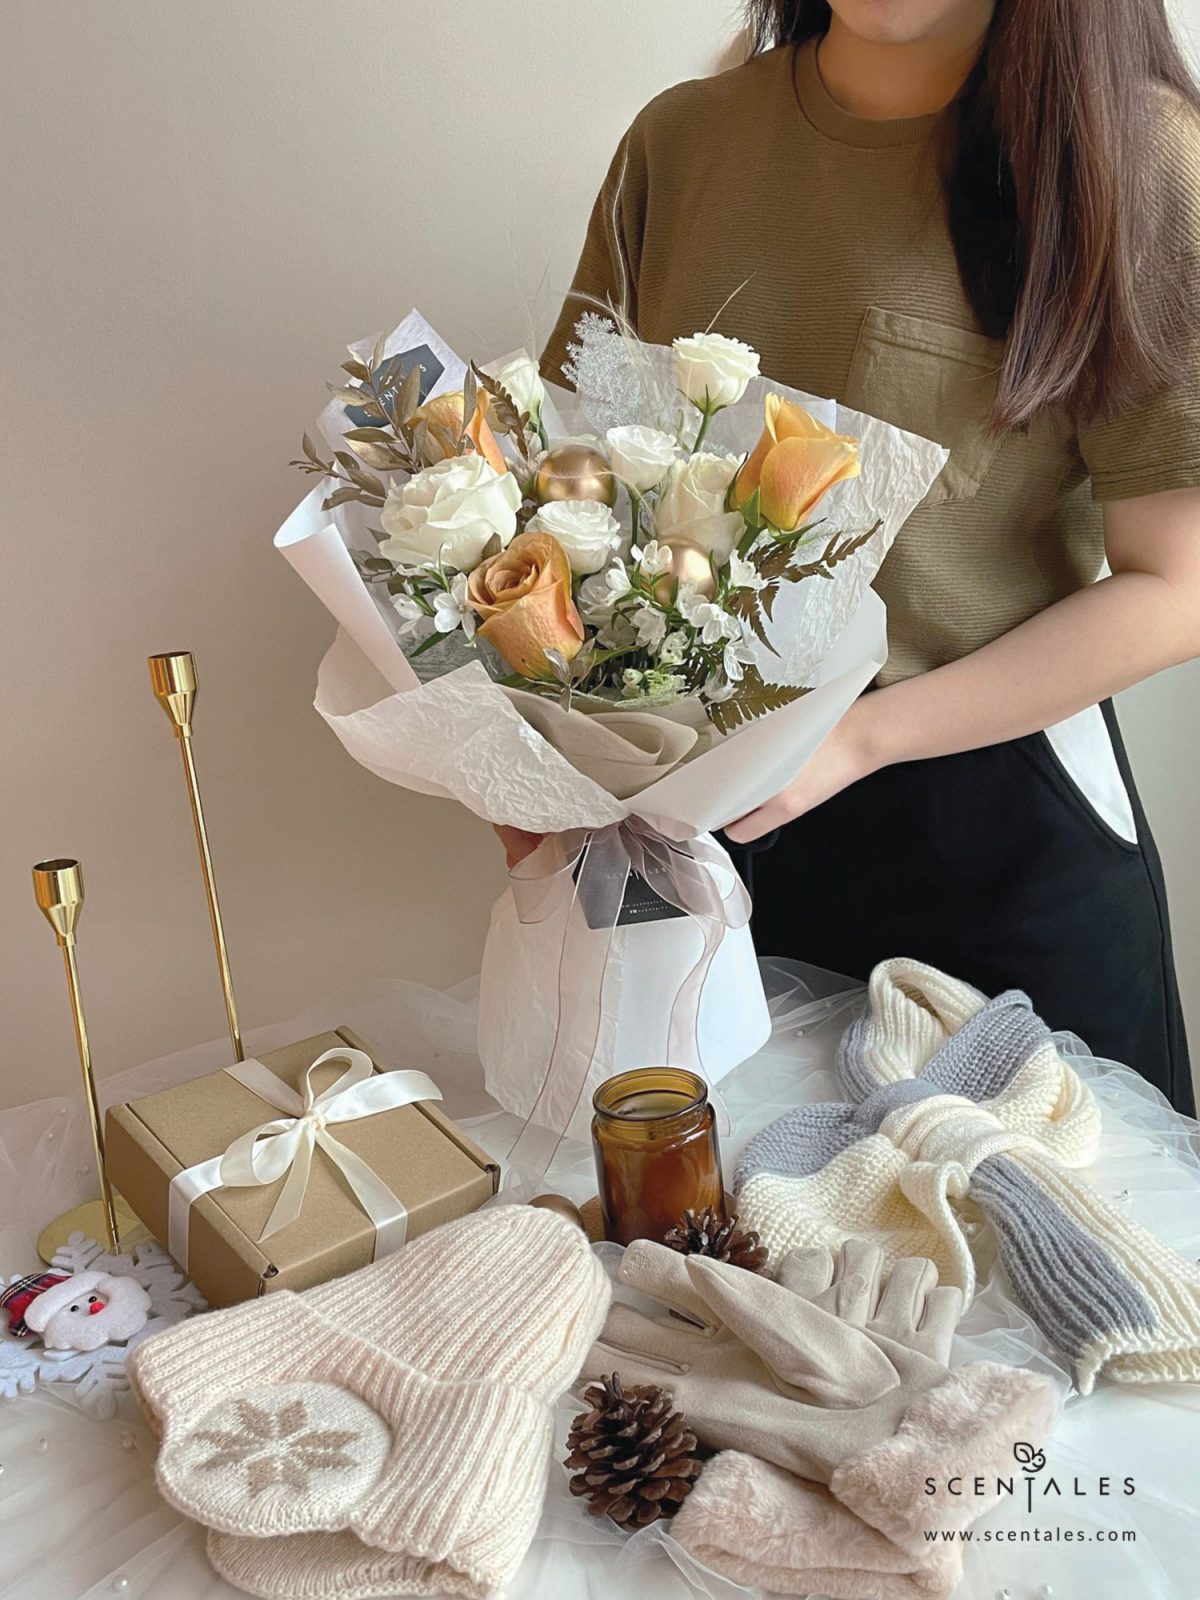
(960, 1138)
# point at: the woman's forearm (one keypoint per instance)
(1089, 646)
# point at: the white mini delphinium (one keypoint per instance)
(650, 625)
(410, 612)
(735, 658)
(600, 593)
(743, 574)
(451, 609)
(674, 649)
(655, 683)
(710, 620)
(436, 596)
(617, 633)
(717, 688)
(652, 558)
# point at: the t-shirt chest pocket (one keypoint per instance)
(935, 380)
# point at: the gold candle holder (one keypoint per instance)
(173, 678)
(58, 890)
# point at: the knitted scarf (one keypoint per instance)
(959, 1134)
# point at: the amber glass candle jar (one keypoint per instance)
(657, 1154)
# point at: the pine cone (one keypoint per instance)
(633, 1456)
(707, 1235)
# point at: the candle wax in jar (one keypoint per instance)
(652, 1103)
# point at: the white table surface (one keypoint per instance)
(80, 1516)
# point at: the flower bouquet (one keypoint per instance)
(618, 618)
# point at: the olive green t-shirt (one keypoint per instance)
(839, 225)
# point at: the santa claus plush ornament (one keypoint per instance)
(82, 1311)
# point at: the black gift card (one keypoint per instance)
(399, 366)
(640, 903)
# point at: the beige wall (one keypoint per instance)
(198, 205)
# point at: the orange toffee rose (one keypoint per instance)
(794, 463)
(523, 595)
(444, 419)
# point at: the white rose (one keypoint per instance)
(712, 370)
(586, 529)
(448, 512)
(692, 505)
(520, 376)
(640, 456)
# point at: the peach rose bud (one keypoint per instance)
(796, 461)
(523, 594)
(443, 417)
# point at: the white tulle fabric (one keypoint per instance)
(80, 1518)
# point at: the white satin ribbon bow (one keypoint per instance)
(286, 1145)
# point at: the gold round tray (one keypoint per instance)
(88, 1219)
(593, 1218)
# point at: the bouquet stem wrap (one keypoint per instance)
(591, 868)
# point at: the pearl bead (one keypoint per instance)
(126, 1441)
(119, 1584)
(1045, 1591)
(50, 1135)
(1003, 1594)
(43, 1445)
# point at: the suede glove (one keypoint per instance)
(826, 1376)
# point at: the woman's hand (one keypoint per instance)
(839, 762)
(1097, 641)
(517, 843)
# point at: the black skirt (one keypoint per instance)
(1025, 865)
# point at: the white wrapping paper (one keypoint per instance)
(462, 736)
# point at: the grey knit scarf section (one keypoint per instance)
(1071, 1286)
(978, 1062)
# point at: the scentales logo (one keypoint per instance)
(1029, 1486)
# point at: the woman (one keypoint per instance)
(988, 232)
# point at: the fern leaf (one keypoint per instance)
(752, 698)
(753, 609)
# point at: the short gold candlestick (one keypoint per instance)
(173, 677)
(58, 890)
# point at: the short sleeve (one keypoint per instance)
(1155, 445)
(607, 273)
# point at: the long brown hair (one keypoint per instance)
(1047, 165)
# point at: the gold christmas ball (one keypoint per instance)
(576, 472)
(560, 1204)
(689, 564)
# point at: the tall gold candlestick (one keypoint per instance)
(173, 677)
(58, 890)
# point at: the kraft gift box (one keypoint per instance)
(431, 1166)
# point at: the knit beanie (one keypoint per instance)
(953, 1098)
(387, 1432)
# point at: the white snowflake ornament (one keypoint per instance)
(95, 1379)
